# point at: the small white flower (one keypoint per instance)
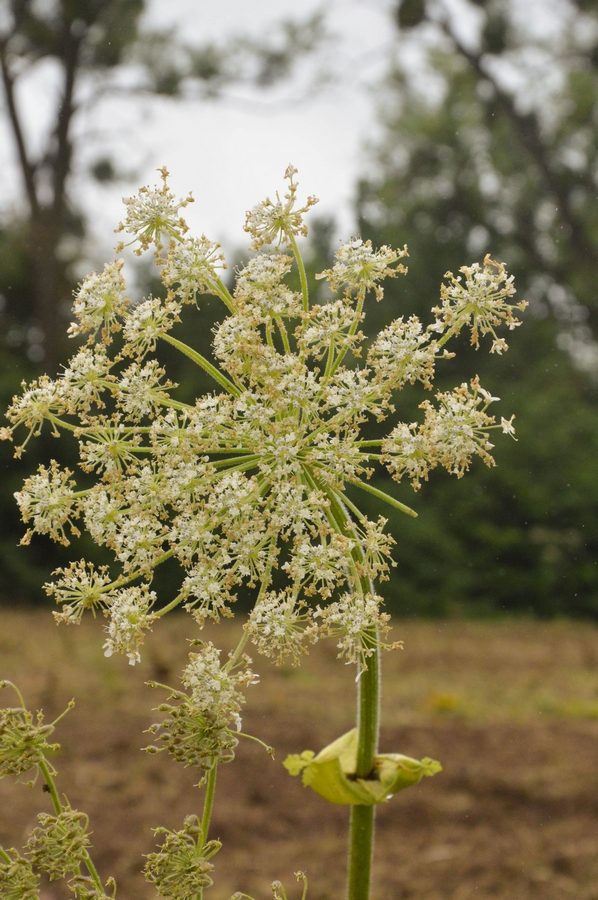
(360, 268)
(152, 213)
(278, 221)
(49, 502)
(147, 322)
(130, 617)
(100, 302)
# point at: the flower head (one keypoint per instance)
(23, 740)
(452, 433)
(58, 845)
(49, 502)
(252, 485)
(153, 213)
(479, 299)
(130, 617)
(18, 880)
(191, 267)
(359, 268)
(78, 587)
(280, 220)
(100, 303)
(181, 867)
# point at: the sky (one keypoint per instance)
(232, 152)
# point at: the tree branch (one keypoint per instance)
(62, 154)
(528, 131)
(28, 169)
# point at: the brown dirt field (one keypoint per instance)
(510, 708)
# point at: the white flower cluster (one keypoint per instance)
(190, 267)
(100, 302)
(278, 221)
(479, 298)
(130, 617)
(357, 621)
(360, 268)
(47, 500)
(254, 485)
(153, 213)
(214, 689)
(450, 436)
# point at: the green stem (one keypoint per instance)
(171, 403)
(206, 816)
(127, 579)
(351, 332)
(252, 458)
(381, 495)
(62, 423)
(176, 601)
(361, 824)
(208, 803)
(203, 363)
(221, 290)
(284, 335)
(361, 847)
(302, 273)
(329, 360)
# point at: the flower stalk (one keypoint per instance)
(247, 487)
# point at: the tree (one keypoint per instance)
(99, 48)
(477, 164)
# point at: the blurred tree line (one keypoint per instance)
(488, 143)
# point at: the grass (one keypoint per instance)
(510, 708)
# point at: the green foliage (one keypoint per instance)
(466, 169)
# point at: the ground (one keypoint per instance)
(510, 708)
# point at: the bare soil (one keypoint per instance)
(510, 709)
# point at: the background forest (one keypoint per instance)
(486, 140)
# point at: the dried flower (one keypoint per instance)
(18, 881)
(181, 868)
(58, 845)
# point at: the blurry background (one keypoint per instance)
(458, 127)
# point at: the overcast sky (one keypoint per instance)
(231, 152)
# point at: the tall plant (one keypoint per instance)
(255, 484)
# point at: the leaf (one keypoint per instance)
(331, 773)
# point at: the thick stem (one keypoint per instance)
(361, 827)
(361, 847)
(208, 803)
(206, 816)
